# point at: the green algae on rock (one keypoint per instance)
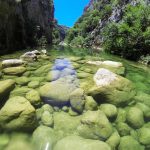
(78, 143)
(6, 86)
(129, 143)
(19, 117)
(95, 125)
(14, 70)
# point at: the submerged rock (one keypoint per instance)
(129, 143)
(77, 100)
(44, 138)
(135, 117)
(66, 123)
(6, 87)
(14, 70)
(144, 136)
(78, 143)
(90, 103)
(111, 88)
(95, 125)
(109, 110)
(33, 97)
(18, 114)
(57, 93)
(22, 81)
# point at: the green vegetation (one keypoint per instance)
(129, 38)
(127, 35)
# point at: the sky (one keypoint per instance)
(68, 11)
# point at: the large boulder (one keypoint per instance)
(57, 92)
(45, 138)
(6, 87)
(129, 143)
(14, 70)
(112, 88)
(95, 125)
(77, 100)
(78, 143)
(17, 114)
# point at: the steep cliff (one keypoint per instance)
(113, 24)
(24, 22)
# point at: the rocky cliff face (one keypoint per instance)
(97, 15)
(23, 22)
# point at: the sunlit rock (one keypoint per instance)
(12, 63)
(112, 88)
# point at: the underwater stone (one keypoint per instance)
(95, 125)
(90, 103)
(129, 143)
(18, 114)
(33, 97)
(144, 136)
(77, 100)
(22, 80)
(14, 70)
(78, 143)
(6, 87)
(135, 117)
(47, 119)
(109, 110)
(34, 84)
(12, 63)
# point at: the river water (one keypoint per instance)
(67, 69)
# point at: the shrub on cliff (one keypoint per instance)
(129, 38)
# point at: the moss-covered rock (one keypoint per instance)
(78, 143)
(34, 84)
(144, 136)
(57, 92)
(123, 129)
(121, 117)
(6, 87)
(90, 103)
(111, 88)
(14, 70)
(66, 123)
(4, 140)
(20, 91)
(19, 141)
(77, 100)
(42, 70)
(135, 117)
(18, 114)
(129, 143)
(33, 97)
(82, 75)
(114, 140)
(109, 110)
(95, 125)
(47, 119)
(22, 81)
(45, 138)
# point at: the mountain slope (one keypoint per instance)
(120, 26)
